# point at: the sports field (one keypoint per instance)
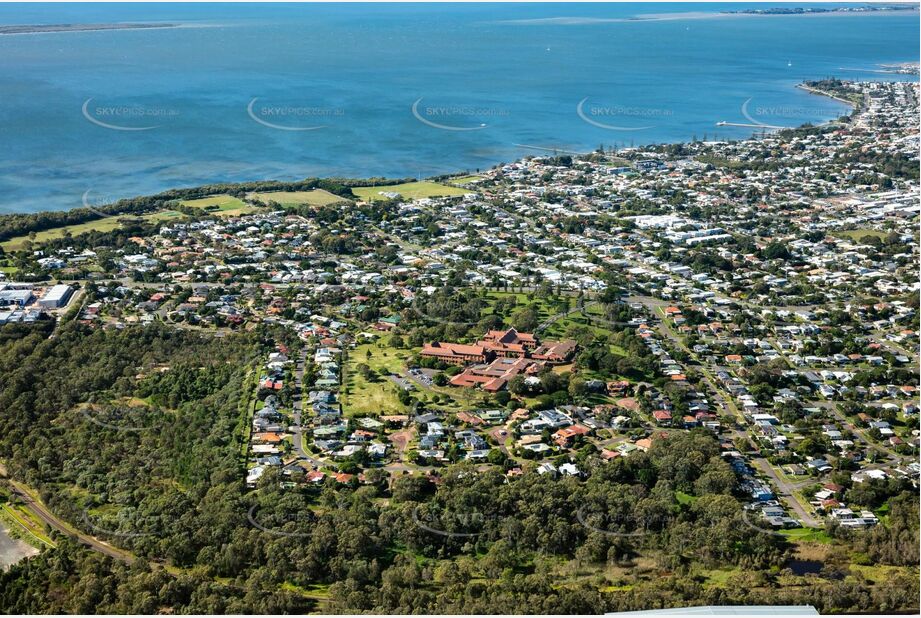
(409, 190)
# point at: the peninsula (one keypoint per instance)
(43, 28)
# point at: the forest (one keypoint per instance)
(134, 436)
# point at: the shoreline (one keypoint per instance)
(61, 28)
(754, 136)
(822, 93)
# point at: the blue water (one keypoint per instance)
(508, 76)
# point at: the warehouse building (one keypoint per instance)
(57, 296)
(17, 297)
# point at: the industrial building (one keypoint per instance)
(58, 296)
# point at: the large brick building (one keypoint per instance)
(508, 343)
(494, 376)
(454, 353)
(499, 356)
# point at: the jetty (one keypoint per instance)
(723, 123)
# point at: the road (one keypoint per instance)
(787, 491)
(298, 410)
(832, 408)
(580, 304)
(880, 338)
(57, 524)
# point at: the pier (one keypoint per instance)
(723, 123)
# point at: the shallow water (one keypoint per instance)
(242, 92)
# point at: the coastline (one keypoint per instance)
(378, 181)
(63, 28)
(564, 20)
(822, 93)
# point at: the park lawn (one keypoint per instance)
(544, 308)
(313, 591)
(458, 399)
(164, 215)
(558, 330)
(409, 190)
(361, 397)
(464, 180)
(314, 197)
(856, 235)
(379, 396)
(806, 535)
(719, 578)
(382, 356)
(384, 392)
(103, 224)
(221, 205)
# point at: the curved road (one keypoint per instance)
(57, 524)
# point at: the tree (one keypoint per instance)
(577, 388)
(776, 251)
(525, 320)
(517, 385)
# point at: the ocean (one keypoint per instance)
(247, 92)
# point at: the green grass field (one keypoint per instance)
(465, 180)
(378, 395)
(102, 224)
(316, 197)
(718, 578)
(807, 535)
(164, 215)
(26, 525)
(221, 205)
(881, 572)
(409, 190)
(856, 235)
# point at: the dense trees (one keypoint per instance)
(134, 436)
(74, 580)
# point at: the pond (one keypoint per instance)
(804, 567)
